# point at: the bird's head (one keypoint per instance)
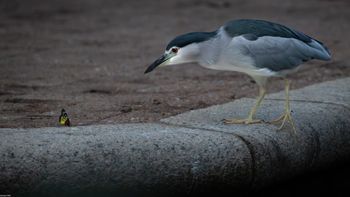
(183, 49)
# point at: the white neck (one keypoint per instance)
(209, 51)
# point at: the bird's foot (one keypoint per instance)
(287, 116)
(242, 121)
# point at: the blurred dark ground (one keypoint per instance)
(333, 180)
(88, 56)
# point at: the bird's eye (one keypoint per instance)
(174, 50)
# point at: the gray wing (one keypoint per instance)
(274, 46)
(260, 28)
(279, 53)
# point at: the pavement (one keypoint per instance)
(191, 153)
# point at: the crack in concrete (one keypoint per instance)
(241, 138)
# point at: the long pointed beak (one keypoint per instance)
(157, 63)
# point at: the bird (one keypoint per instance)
(63, 119)
(259, 48)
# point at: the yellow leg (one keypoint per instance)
(250, 119)
(286, 116)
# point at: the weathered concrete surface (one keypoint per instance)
(119, 160)
(189, 153)
(322, 116)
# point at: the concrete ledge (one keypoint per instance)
(322, 116)
(130, 158)
(185, 154)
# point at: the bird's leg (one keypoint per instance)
(250, 119)
(287, 116)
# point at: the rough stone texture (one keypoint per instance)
(190, 153)
(320, 113)
(120, 159)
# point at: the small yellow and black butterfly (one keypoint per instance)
(63, 119)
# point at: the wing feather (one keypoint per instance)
(277, 53)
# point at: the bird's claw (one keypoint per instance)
(284, 118)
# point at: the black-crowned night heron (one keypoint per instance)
(258, 48)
